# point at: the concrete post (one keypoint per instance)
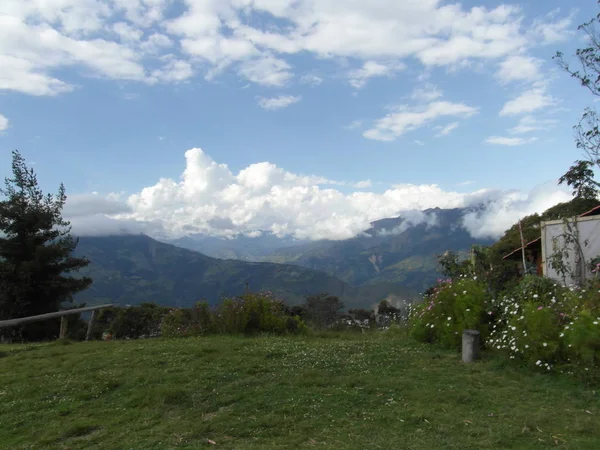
(88, 335)
(470, 345)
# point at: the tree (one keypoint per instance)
(35, 249)
(385, 308)
(580, 176)
(323, 310)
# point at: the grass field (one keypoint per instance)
(348, 391)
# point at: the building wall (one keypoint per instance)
(589, 230)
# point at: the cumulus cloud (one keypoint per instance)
(411, 218)
(282, 101)
(210, 199)
(503, 212)
(407, 118)
(3, 123)
(509, 141)
(126, 39)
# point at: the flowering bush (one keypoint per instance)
(450, 308)
(546, 325)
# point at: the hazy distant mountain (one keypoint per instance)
(395, 250)
(133, 269)
(243, 248)
(392, 250)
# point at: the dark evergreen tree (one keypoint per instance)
(36, 246)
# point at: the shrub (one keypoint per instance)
(546, 325)
(132, 322)
(251, 313)
(452, 307)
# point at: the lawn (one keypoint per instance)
(347, 391)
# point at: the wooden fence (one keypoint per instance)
(63, 319)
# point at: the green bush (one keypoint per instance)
(582, 336)
(548, 326)
(132, 322)
(451, 307)
(249, 314)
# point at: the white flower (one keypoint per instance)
(535, 296)
(545, 345)
(449, 318)
(538, 363)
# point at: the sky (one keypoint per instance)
(308, 118)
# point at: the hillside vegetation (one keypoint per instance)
(136, 269)
(340, 392)
(391, 251)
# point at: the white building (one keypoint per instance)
(573, 245)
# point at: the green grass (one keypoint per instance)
(347, 391)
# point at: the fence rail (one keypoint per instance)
(63, 322)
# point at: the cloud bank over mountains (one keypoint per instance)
(210, 199)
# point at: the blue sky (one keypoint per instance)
(361, 108)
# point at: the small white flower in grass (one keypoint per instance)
(545, 344)
(535, 296)
(538, 363)
(468, 309)
(561, 334)
(449, 318)
(595, 323)
(526, 345)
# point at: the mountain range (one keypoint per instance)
(133, 269)
(400, 250)
(394, 259)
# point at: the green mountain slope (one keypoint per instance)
(388, 252)
(135, 268)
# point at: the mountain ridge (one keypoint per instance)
(132, 269)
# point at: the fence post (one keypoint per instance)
(470, 345)
(63, 327)
(88, 335)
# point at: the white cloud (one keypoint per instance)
(282, 101)
(411, 218)
(211, 199)
(418, 142)
(528, 124)
(124, 40)
(503, 212)
(519, 68)
(353, 125)
(358, 78)
(268, 71)
(552, 29)
(363, 184)
(426, 93)
(3, 123)
(529, 101)
(509, 141)
(446, 129)
(408, 118)
(311, 79)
